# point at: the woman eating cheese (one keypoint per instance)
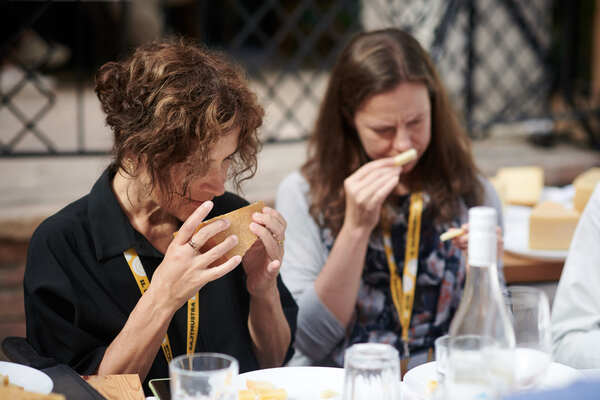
(108, 289)
(352, 203)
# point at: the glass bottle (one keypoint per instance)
(482, 339)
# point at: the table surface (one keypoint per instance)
(518, 269)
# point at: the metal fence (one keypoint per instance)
(493, 55)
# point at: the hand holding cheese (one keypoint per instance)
(368, 187)
(239, 225)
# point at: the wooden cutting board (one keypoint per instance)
(117, 387)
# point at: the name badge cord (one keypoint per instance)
(403, 290)
(141, 278)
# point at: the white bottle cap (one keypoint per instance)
(482, 236)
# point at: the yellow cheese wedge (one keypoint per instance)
(522, 185)
(551, 226)
(584, 186)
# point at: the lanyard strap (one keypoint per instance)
(139, 273)
(403, 290)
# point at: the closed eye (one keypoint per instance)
(384, 130)
(414, 122)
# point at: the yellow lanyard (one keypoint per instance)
(403, 290)
(138, 272)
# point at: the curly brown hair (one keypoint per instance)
(169, 102)
(373, 63)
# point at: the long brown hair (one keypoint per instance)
(374, 63)
(169, 102)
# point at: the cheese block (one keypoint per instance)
(522, 186)
(240, 220)
(551, 226)
(584, 185)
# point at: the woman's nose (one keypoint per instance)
(402, 140)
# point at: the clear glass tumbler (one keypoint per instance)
(372, 371)
(441, 356)
(203, 376)
(529, 310)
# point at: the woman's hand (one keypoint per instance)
(462, 241)
(185, 269)
(366, 190)
(263, 260)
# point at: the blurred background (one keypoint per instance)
(524, 77)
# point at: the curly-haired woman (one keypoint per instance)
(184, 121)
(358, 277)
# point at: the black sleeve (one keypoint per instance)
(51, 306)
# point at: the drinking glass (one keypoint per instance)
(441, 356)
(372, 371)
(203, 376)
(529, 311)
(472, 368)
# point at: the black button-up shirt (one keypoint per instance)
(79, 290)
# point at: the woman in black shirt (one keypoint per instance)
(184, 121)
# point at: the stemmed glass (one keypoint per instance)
(529, 311)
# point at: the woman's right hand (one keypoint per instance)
(366, 190)
(185, 269)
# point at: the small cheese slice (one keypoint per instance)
(405, 157)
(451, 234)
(584, 185)
(522, 185)
(261, 390)
(551, 226)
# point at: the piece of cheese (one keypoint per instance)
(522, 185)
(405, 157)
(551, 226)
(261, 390)
(584, 185)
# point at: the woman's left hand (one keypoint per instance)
(462, 242)
(263, 260)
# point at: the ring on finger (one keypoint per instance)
(193, 244)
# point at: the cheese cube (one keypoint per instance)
(551, 226)
(584, 186)
(522, 185)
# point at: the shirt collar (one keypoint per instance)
(111, 230)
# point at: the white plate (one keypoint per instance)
(28, 378)
(558, 375)
(300, 382)
(516, 236)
